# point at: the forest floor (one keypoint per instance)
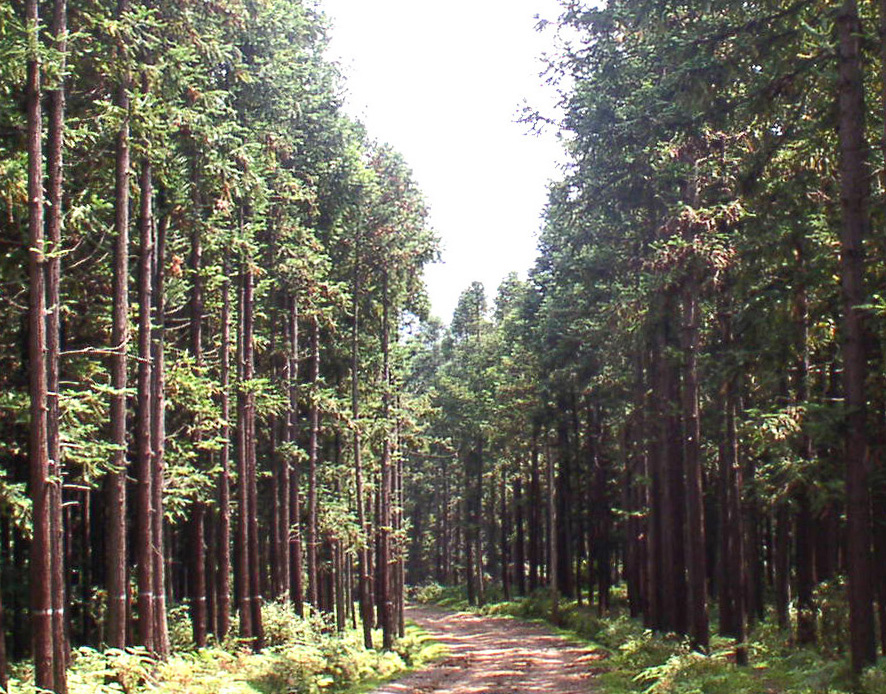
(497, 655)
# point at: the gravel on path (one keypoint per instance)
(497, 655)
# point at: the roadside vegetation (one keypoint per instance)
(628, 658)
(303, 655)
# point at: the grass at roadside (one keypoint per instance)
(634, 660)
(302, 656)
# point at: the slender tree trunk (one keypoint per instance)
(400, 545)
(243, 574)
(55, 177)
(564, 503)
(782, 557)
(806, 622)
(41, 540)
(504, 515)
(211, 571)
(279, 433)
(197, 557)
(158, 440)
(116, 481)
(733, 589)
(363, 553)
(803, 537)
(654, 615)
(144, 458)
(534, 515)
(296, 589)
(385, 599)
(676, 486)
(251, 481)
(520, 535)
(854, 199)
(313, 442)
(224, 479)
(4, 659)
(552, 541)
(696, 545)
(197, 573)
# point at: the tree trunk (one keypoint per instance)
(520, 536)
(505, 538)
(733, 590)
(854, 200)
(197, 558)
(553, 585)
(313, 443)
(251, 480)
(4, 660)
(534, 515)
(363, 568)
(116, 482)
(696, 544)
(782, 564)
(40, 566)
(158, 440)
(224, 480)
(296, 589)
(143, 430)
(197, 573)
(55, 176)
(385, 600)
(242, 552)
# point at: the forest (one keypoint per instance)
(230, 425)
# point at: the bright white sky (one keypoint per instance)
(443, 83)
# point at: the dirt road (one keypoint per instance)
(492, 655)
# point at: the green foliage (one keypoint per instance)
(303, 655)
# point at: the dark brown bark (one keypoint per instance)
(564, 530)
(4, 660)
(197, 577)
(211, 569)
(143, 429)
(805, 555)
(241, 541)
(733, 606)
(223, 581)
(313, 443)
(399, 547)
(803, 536)
(158, 440)
(654, 616)
(55, 176)
(505, 537)
(279, 433)
(296, 590)
(534, 515)
(363, 553)
(696, 543)
(250, 481)
(553, 584)
(854, 201)
(116, 480)
(40, 567)
(675, 495)
(383, 593)
(519, 535)
(197, 554)
(782, 556)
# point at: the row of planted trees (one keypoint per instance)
(205, 265)
(687, 395)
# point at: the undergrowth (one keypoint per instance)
(302, 656)
(630, 659)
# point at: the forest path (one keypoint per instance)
(496, 655)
